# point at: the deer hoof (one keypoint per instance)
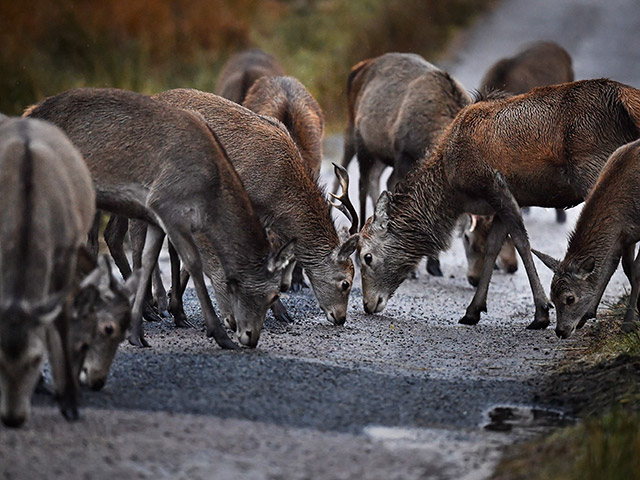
(138, 341)
(470, 319)
(538, 324)
(181, 321)
(150, 314)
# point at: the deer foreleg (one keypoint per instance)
(478, 304)
(114, 234)
(188, 252)
(137, 232)
(176, 307)
(150, 253)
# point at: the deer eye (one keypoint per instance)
(108, 330)
(345, 286)
(368, 258)
(571, 300)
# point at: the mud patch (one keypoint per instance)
(525, 420)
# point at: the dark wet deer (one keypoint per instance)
(242, 70)
(285, 196)
(48, 203)
(608, 229)
(544, 148)
(163, 165)
(398, 105)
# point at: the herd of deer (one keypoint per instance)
(233, 185)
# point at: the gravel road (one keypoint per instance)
(404, 394)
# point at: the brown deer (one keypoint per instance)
(283, 193)
(543, 148)
(537, 64)
(287, 100)
(608, 228)
(474, 231)
(163, 165)
(48, 204)
(398, 105)
(242, 70)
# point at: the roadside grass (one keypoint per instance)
(601, 385)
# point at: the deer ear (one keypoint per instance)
(348, 247)
(282, 257)
(381, 215)
(549, 261)
(586, 267)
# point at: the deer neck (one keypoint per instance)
(425, 210)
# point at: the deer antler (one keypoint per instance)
(345, 205)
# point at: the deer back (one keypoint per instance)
(287, 100)
(242, 70)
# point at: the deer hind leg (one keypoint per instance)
(176, 307)
(189, 254)
(497, 234)
(114, 234)
(150, 253)
(630, 322)
(137, 232)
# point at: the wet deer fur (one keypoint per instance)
(543, 148)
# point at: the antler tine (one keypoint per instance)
(345, 205)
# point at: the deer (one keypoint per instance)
(165, 166)
(398, 105)
(242, 70)
(607, 230)
(101, 316)
(536, 64)
(287, 100)
(542, 148)
(286, 198)
(48, 204)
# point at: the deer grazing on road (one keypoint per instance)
(242, 70)
(163, 165)
(287, 100)
(608, 229)
(285, 196)
(398, 105)
(48, 204)
(543, 148)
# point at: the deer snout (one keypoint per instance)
(13, 420)
(564, 332)
(94, 384)
(337, 319)
(376, 305)
(248, 338)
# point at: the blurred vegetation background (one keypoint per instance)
(48, 46)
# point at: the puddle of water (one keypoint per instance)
(521, 419)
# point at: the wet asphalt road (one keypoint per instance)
(403, 394)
